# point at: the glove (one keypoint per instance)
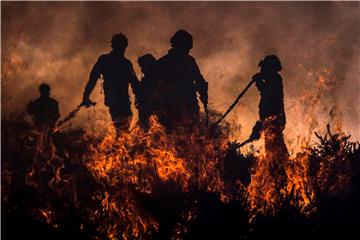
(257, 77)
(259, 80)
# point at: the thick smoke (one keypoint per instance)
(318, 44)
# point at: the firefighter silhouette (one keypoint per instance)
(117, 73)
(180, 80)
(149, 100)
(44, 110)
(272, 115)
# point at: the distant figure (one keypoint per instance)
(271, 111)
(149, 102)
(44, 110)
(180, 80)
(117, 72)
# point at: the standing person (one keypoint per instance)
(180, 80)
(271, 112)
(149, 103)
(44, 110)
(117, 73)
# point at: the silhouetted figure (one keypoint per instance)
(117, 73)
(180, 80)
(44, 110)
(149, 101)
(271, 112)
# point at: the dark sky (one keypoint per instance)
(318, 44)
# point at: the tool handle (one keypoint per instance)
(235, 102)
(87, 103)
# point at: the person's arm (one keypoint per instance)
(134, 82)
(95, 74)
(30, 108)
(259, 81)
(280, 88)
(53, 113)
(200, 83)
(56, 112)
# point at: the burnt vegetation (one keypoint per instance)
(71, 185)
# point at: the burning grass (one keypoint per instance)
(166, 185)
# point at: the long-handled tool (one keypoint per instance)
(206, 115)
(234, 103)
(73, 113)
(255, 135)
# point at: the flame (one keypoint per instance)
(141, 158)
(47, 214)
(278, 177)
(122, 218)
(266, 191)
(298, 184)
(141, 162)
(136, 158)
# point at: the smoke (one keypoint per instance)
(318, 44)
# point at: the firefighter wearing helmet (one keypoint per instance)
(272, 115)
(269, 83)
(117, 73)
(180, 80)
(150, 99)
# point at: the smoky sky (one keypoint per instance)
(317, 43)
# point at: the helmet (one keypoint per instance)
(182, 39)
(147, 63)
(146, 59)
(271, 61)
(119, 41)
(44, 89)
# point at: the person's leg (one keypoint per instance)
(276, 152)
(120, 120)
(188, 116)
(144, 117)
(122, 124)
